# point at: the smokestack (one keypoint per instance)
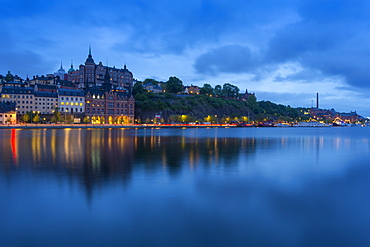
(317, 100)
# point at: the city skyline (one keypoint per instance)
(285, 52)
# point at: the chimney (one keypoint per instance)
(317, 100)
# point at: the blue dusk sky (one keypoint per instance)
(285, 51)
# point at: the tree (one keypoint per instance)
(9, 77)
(26, 118)
(174, 85)
(174, 118)
(230, 91)
(56, 117)
(36, 118)
(218, 90)
(153, 81)
(86, 120)
(206, 89)
(138, 88)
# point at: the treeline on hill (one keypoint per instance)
(219, 104)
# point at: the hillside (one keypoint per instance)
(191, 108)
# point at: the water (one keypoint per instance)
(185, 187)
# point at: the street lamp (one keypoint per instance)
(32, 115)
(38, 114)
(65, 115)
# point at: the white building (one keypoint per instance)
(71, 100)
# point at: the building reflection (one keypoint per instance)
(96, 157)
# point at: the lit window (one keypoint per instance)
(72, 103)
(67, 103)
(80, 104)
(62, 103)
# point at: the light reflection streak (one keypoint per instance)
(36, 147)
(13, 143)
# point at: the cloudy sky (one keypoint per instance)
(285, 51)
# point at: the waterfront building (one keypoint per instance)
(8, 113)
(71, 101)
(23, 97)
(46, 98)
(109, 104)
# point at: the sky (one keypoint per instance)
(284, 51)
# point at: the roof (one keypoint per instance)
(46, 94)
(7, 107)
(17, 90)
(70, 92)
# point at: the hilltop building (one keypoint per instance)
(61, 73)
(246, 95)
(91, 75)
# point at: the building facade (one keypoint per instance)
(71, 101)
(22, 96)
(8, 114)
(90, 75)
(109, 104)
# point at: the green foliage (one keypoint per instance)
(218, 90)
(154, 82)
(174, 85)
(198, 107)
(138, 88)
(56, 116)
(26, 118)
(230, 91)
(36, 118)
(206, 89)
(9, 77)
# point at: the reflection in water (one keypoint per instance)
(108, 152)
(189, 187)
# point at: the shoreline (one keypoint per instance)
(111, 126)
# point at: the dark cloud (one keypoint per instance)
(231, 58)
(332, 37)
(23, 63)
(327, 37)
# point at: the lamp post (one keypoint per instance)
(65, 117)
(32, 116)
(38, 114)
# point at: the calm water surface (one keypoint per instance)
(185, 187)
